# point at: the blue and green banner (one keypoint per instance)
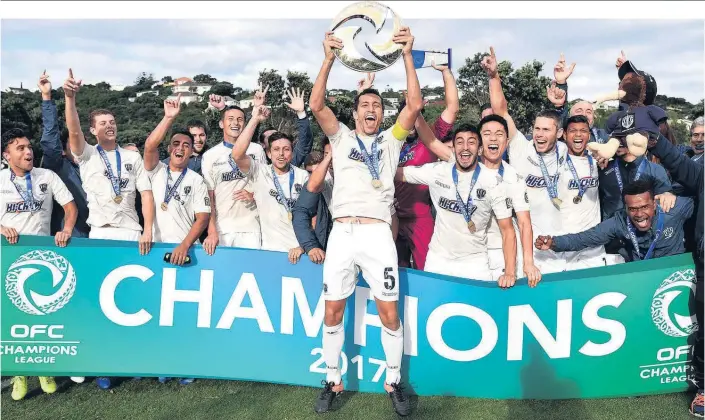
(98, 308)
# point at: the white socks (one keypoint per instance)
(333, 338)
(393, 344)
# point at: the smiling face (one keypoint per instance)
(583, 108)
(180, 151)
(577, 137)
(641, 209)
(494, 140)
(696, 139)
(466, 148)
(546, 132)
(104, 128)
(199, 138)
(280, 153)
(232, 124)
(19, 154)
(369, 112)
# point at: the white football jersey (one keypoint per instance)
(102, 209)
(190, 198)
(353, 193)
(451, 236)
(277, 229)
(516, 191)
(31, 217)
(232, 216)
(585, 214)
(545, 217)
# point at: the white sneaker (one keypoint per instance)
(78, 379)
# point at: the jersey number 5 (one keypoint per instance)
(391, 281)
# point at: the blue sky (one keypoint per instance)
(116, 51)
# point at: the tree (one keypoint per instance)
(275, 82)
(144, 81)
(299, 80)
(205, 78)
(222, 89)
(167, 79)
(698, 110)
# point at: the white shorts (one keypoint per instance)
(496, 260)
(549, 261)
(249, 240)
(114, 233)
(474, 267)
(367, 246)
(586, 258)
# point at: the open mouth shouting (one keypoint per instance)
(466, 158)
(642, 223)
(492, 151)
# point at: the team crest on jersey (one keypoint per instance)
(187, 190)
(128, 167)
(508, 202)
(588, 182)
(291, 202)
(297, 187)
(233, 175)
(43, 188)
(355, 154)
(207, 201)
(23, 207)
(453, 206)
(481, 193)
(668, 233)
(533, 181)
(526, 197)
(406, 158)
(253, 157)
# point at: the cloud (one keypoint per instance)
(116, 51)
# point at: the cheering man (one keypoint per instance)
(234, 218)
(276, 186)
(365, 161)
(111, 176)
(466, 196)
(27, 201)
(648, 231)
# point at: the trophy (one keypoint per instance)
(384, 50)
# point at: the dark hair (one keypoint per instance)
(230, 108)
(465, 128)
(448, 137)
(484, 107)
(495, 118)
(325, 141)
(184, 133)
(576, 119)
(11, 135)
(197, 124)
(640, 186)
(313, 158)
(368, 91)
(278, 136)
(98, 112)
(260, 138)
(548, 113)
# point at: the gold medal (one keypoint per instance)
(164, 206)
(471, 227)
(557, 202)
(377, 183)
(118, 199)
(577, 199)
(291, 217)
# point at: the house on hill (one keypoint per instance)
(186, 97)
(193, 87)
(19, 91)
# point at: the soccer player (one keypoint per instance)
(578, 183)
(179, 192)
(648, 231)
(27, 201)
(466, 196)
(234, 218)
(364, 161)
(111, 176)
(57, 157)
(276, 186)
(413, 206)
(199, 132)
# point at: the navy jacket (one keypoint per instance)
(304, 144)
(54, 160)
(670, 243)
(308, 205)
(610, 195)
(689, 174)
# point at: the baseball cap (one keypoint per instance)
(623, 123)
(651, 87)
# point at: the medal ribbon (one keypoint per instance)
(371, 161)
(618, 174)
(170, 191)
(581, 189)
(465, 207)
(280, 190)
(551, 187)
(635, 243)
(406, 150)
(27, 196)
(114, 181)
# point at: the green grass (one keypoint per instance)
(215, 400)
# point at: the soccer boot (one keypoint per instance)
(399, 400)
(327, 395)
(19, 387)
(48, 384)
(78, 379)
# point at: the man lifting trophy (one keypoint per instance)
(365, 160)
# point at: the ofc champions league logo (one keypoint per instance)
(669, 322)
(29, 264)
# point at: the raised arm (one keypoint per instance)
(428, 138)
(683, 170)
(239, 153)
(497, 99)
(77, 141)
(325, 117)
(50, 142)
(304, 143)
(414, 100)
(450, 113)
(151, 146)
(317, 180)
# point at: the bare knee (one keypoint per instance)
(334, 312)
(388, 314)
